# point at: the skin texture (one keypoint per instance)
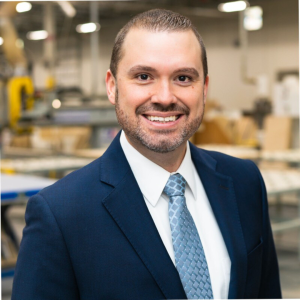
(159, 74)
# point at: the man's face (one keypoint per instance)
(160, 91)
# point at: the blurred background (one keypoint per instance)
(55, 116)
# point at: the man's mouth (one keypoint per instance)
(162, 119)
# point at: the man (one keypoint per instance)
(154, 217)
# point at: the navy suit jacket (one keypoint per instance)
(90, 235)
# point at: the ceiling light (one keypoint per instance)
(56, 103)
(23, 6)
(233, 6)
(67, 8)
(88, 27)
(37, 35)
(1, 40)
(253, 19)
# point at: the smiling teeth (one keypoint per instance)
(161, 119)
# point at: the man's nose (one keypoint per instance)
(163, 94)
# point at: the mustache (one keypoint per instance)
(161, 108)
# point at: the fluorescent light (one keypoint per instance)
(56, 103)
(23, 6)
(233, 6)
(1, 41)
(88, 27)
(253, 19)
(67, 8)
(37, 35)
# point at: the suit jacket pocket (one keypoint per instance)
(254, 271)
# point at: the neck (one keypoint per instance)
(169, 161)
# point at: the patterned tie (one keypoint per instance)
(189, 254)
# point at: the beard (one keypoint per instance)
(160, 141)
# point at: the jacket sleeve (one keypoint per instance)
(270, 282)
(44, 269)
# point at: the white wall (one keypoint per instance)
(273, 48)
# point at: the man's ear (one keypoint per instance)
(205, 89)
(111, 87)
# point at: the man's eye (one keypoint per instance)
(143, 76)
(183, 78)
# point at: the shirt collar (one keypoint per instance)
(152, 178)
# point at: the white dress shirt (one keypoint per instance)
(146, 171)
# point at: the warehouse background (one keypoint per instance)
(271, 50)
(55, 116)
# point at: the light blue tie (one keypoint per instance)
(189, 254)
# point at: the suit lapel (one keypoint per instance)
(127, 207)
(220, 192)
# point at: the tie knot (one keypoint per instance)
(175, 185)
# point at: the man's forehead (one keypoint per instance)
(140, 38)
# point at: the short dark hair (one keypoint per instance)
(156, 20)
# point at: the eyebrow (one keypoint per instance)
(141, 68)
(192, 71)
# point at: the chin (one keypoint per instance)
(162, 145)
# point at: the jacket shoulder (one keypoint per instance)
(227, 164)
(76, 191)
(75, 181)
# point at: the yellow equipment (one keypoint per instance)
(20, 97)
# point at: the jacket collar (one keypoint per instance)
(113, 163)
